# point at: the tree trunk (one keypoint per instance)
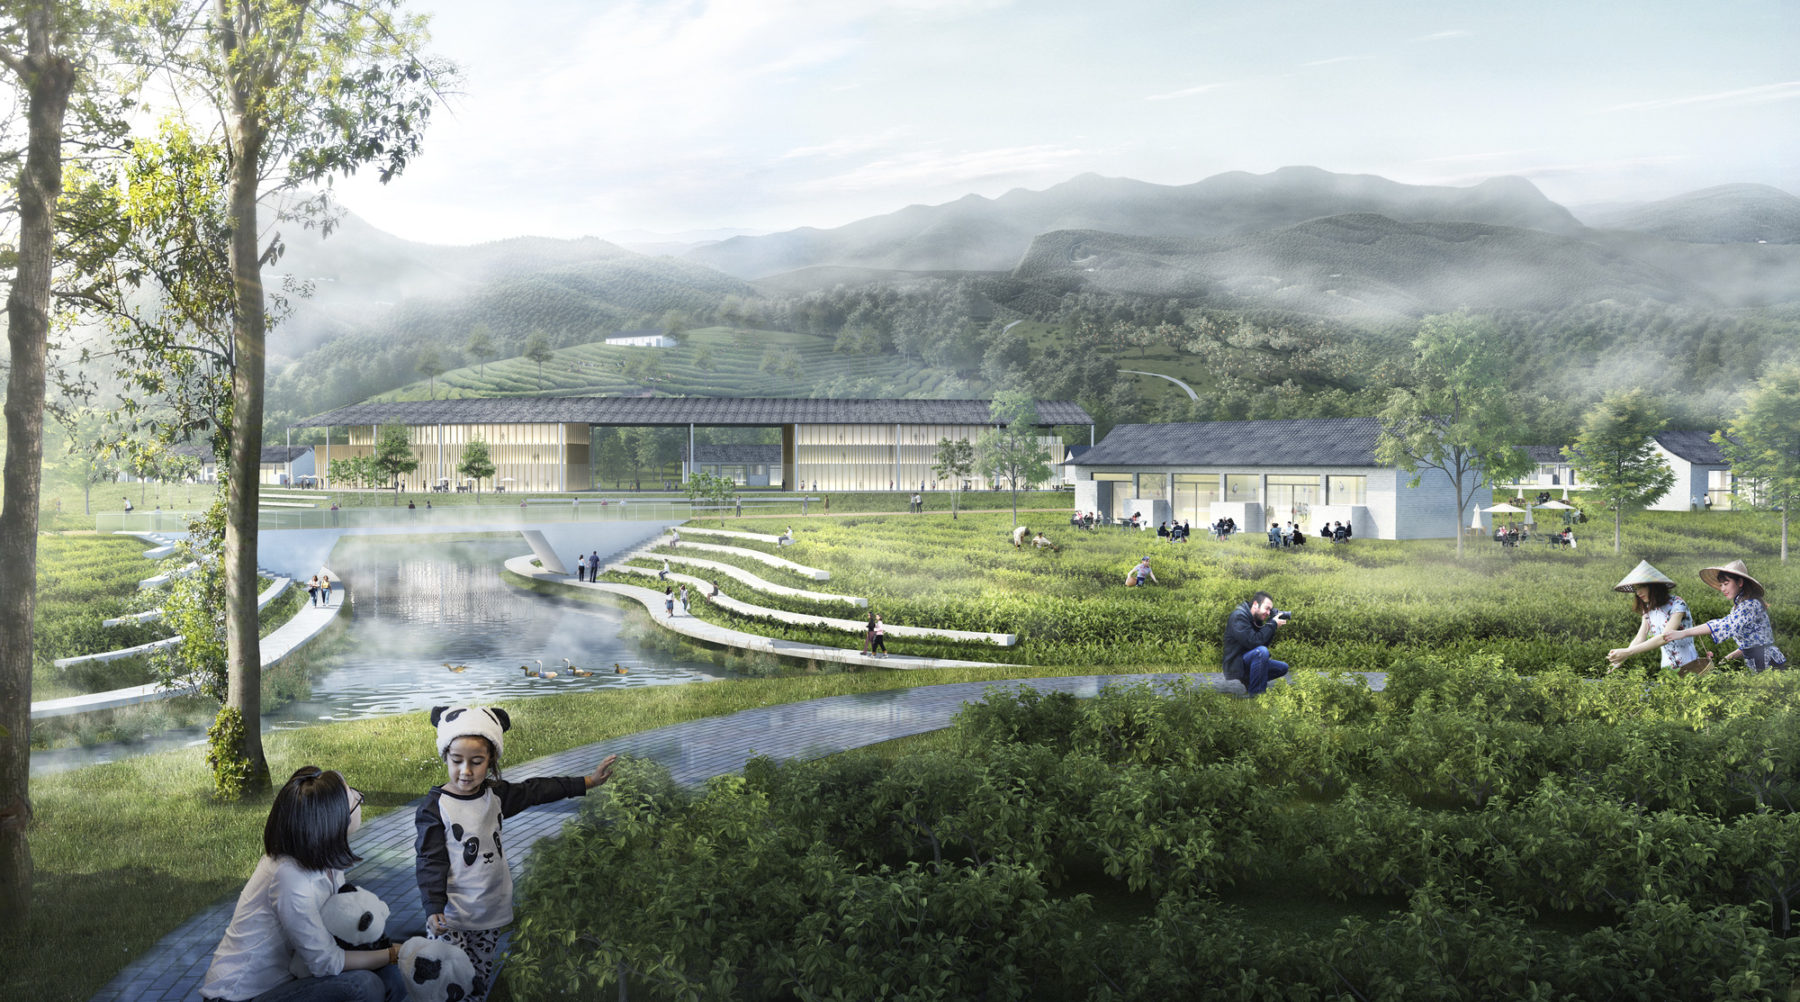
(1618, 520)
(243, 649)
(47, 79)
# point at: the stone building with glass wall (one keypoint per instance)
(1311, 472)
(544, 443)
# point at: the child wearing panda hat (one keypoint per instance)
(463, 877)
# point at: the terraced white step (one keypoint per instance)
(737, 551)
(739, 574)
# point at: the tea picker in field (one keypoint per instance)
(1140, 574)
(1018, 536)
(1249, 631)
(1747, 622)
(1659, 611)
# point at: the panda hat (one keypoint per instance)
(454, 722)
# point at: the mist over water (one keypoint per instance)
(416, 606)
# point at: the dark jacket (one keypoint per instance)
(1242, 635)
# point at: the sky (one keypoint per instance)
(616, 119)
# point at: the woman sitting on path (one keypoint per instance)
(277, 928)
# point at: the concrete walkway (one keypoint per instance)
(285, 640)
(737, 551)
(694, 752)
(725, 601)
(699, 629)
(739, 574)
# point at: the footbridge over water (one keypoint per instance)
(297, 543)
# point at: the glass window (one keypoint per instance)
(1153, 486)
(1244, 487)
(1347, 490)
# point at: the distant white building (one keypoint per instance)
(1310, 472)
(1701, 471)
(642, 339)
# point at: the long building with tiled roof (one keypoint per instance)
(545, 443)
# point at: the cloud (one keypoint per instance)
(934, 168)
(1578, 168)
(847, 146)
(1785, 91)
(1440, 36)
(1475, 157)
(1337, 59)
(1175, 95)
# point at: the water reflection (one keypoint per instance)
(418, 605)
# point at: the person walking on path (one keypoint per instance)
(878, 639)
(593, 562)
(869, 635)
(325, 589)
(684, 601)
(277, 946)
(1747, 622)
(1659, 610)
(1249, 631)
(312, 591)
(669, 602)
(468, 893)
(580, 568)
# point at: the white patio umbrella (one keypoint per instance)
(1503, 509)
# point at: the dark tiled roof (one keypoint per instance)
(1542, 454)
(639, 411)
(767, 455)
(1694, 446)
(270, 453)
(1308, 442)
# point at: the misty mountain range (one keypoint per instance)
(1301, 240)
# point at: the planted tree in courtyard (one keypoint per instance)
(1616, 453)
(394, 457)
(717, 491)
(955, 462)
(357, 471)
(1011, 452)
(1763, 446)
(1457, 416)
(476, 463)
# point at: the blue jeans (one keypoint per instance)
(1260, 669)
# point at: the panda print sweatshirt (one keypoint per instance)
(461, 866)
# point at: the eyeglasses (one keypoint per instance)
(356, 801)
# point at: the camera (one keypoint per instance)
(1283, 614)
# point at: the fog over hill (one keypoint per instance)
(1726, 214)
(981, 234)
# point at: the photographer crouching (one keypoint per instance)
(1249, 631)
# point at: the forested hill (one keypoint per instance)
(1727, 214)
(981, 234)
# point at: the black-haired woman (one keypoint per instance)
(1659, 611)
(277, 928)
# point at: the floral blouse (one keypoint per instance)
(1748, 624)
(1682, 651)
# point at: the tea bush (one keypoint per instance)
(1520, 832)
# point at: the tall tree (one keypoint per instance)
(305, 90)
(1011, 451)
(1763, 446)
(37, 49)
(481, 346)
(537, 349)
(955, 461)
(430, 365)
(1616, 453)
(1457, 417)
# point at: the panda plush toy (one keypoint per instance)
(356, 918)
(436, 970)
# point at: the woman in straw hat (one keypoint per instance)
(1660, 610)
(1747, 622)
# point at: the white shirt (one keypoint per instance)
(277, 923)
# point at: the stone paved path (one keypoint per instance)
(694, 752)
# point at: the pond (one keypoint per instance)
(418, 607)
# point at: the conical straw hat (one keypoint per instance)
(1753, 588)
(1643, 573)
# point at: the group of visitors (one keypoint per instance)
(318, 590)
(1223, 528)
(1285, 534)
(1661, 614)
(875, 637)
(1173, 532)
(277, 946)
(916, 504)
(587, 568)
(1085, 520)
